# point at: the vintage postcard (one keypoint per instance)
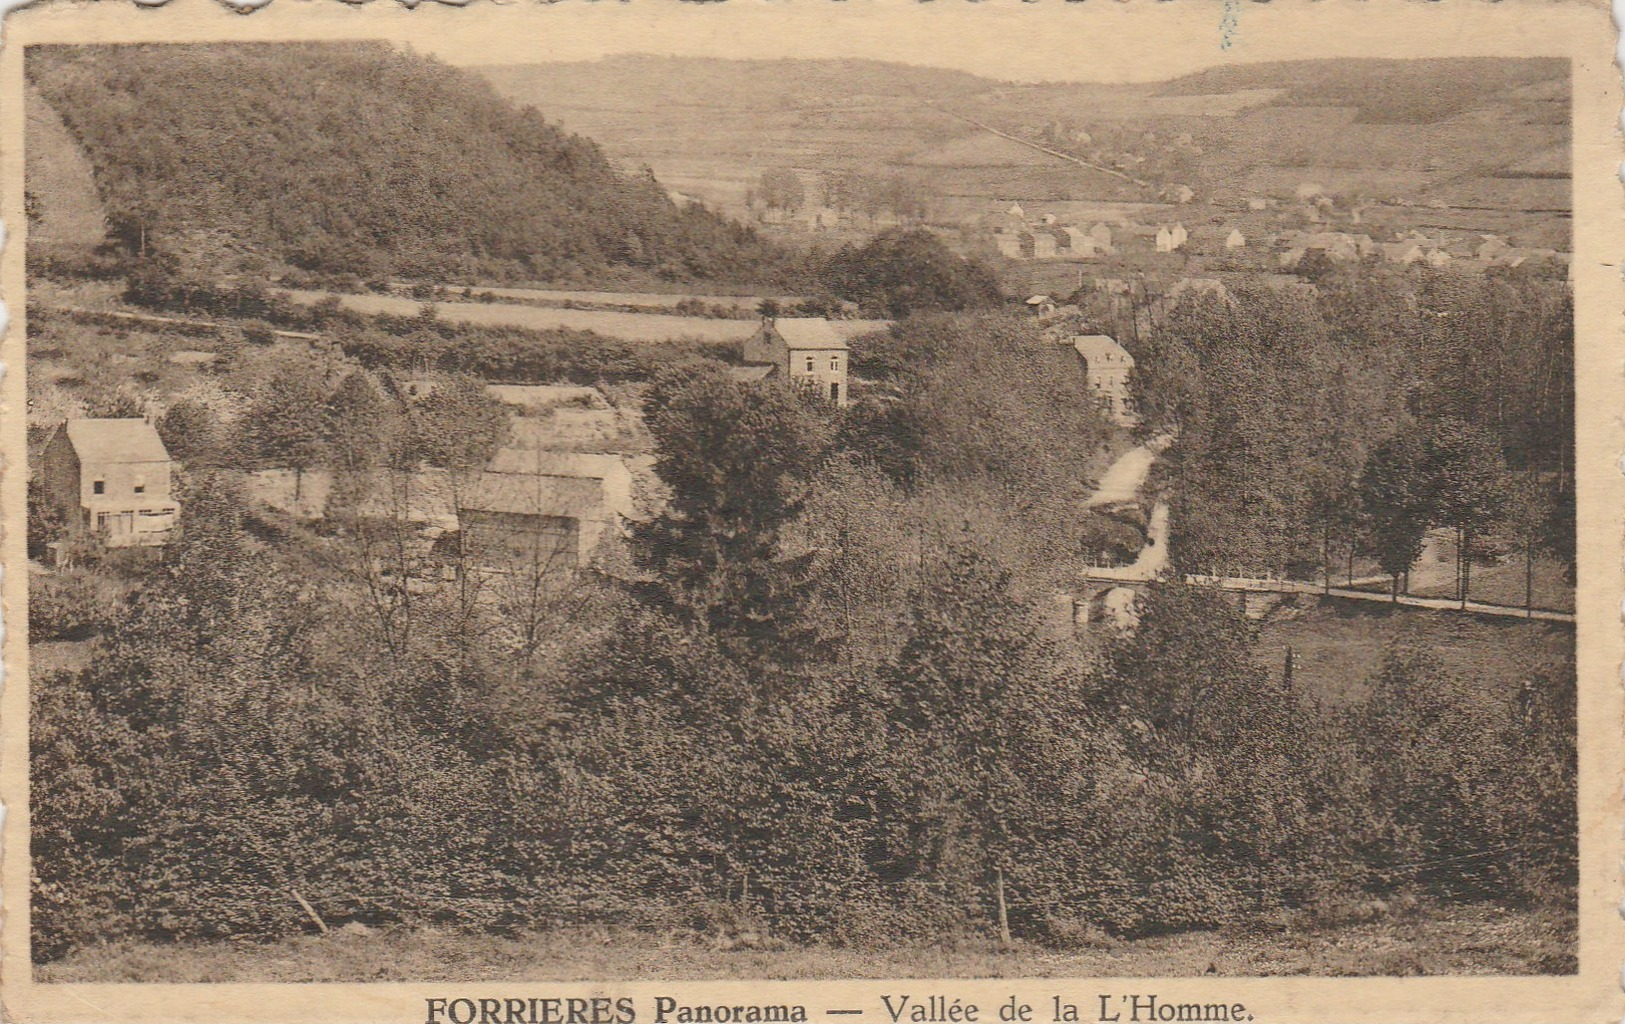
(875, 512)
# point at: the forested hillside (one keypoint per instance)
(363, 159)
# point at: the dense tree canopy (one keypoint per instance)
(357, 163)
(1291, 410)
(900, 272)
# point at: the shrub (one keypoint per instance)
(69, 605)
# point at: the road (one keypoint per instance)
(1042, 149)
(1123, 479)
(1444, 604)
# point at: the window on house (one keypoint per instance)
(98, 487)
(834, 363)
(141, 488)
(809, 364)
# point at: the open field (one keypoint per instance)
(61, 183)
(1338, 645)
(1377, 940)
(1266, 130)
(1504, 583)
(646, 327)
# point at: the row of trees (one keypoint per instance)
(1358, 419)
(300, 420)
(781, 188)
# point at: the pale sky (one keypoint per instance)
(1096, 40)
(1048, 40)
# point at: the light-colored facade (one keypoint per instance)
(572, 498)
(112, 477)
(1107, 366)
(806, 350)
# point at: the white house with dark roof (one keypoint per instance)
(112, 476)
(807, 350)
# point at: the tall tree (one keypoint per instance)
(1468, 472)
(191, 432)
(740, 460)
(781, 189)
(1396, 500)
(286, 424)
(966, 689)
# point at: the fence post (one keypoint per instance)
(1004, 916)
(310, 910)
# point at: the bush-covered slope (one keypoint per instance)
(360, 158)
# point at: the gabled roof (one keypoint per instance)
(123, 440)
(575, 465)
(808, 332)
(751, 374)
(533, 494)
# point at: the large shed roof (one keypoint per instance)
(536, 494)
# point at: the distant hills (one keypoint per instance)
(1445, 132)
(358, 158)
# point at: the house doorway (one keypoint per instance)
(834, 392)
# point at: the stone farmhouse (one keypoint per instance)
(544, 510)
(112, 476)
(807, 350)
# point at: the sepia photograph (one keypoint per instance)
(658, 516)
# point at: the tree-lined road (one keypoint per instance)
(1122, 483)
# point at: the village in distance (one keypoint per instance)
(861, 520)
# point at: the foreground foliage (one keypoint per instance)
(820, 702)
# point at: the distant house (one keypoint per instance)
(1235, 239)
(1045, 245)
(1011, 245)
(806, 350)
(1041, 305)
(1492, 247)
(1103, 238)
(112, 476)
(1077, 242)
(1107, 365)
(1402, 252)
(1171, 239)
(543, 510)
